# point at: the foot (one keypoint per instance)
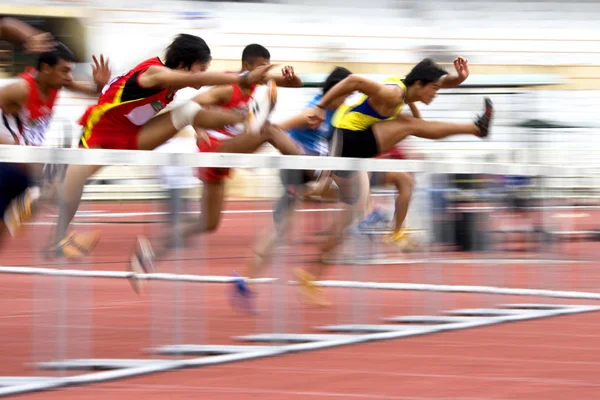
(242, 298)
(262, 103)
(310, 292)
(402, 240)
(484, 121)
(142, 262)
(76, 245)
(375, 220)
(21, 210)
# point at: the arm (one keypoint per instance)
(86, 88)
(13, 30)
(462, 69)
(163, 77)
(386, 94)
(298, 121)
(101, 74)
(288, 78)
(214, 97)
(12, 99)
(13, 96)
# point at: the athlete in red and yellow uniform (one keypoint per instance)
(126, 116)
(122, 110)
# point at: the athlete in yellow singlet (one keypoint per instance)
(370, 123)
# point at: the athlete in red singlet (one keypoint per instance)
(231, 138)
(126, 118)
(27, 106)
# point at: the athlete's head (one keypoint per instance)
(254, 56)
(335, 77)
(424, 80)
(188, 53)
(55, 67)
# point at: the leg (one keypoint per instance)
(249, 143)
(281, 141)
(2, 232)
(164, 126)
(404, 184)
(69, 196)
(16, 207)
(211, 205)
(353, 194)
(295, 184)
(389, 133)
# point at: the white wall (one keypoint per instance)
(512, 33)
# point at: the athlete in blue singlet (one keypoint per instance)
(314, 142)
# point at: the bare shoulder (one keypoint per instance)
(16, 91)
(148, 78)
(395, 94)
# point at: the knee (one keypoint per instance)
(404, 183)
(283, 206)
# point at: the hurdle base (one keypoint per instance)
(487, 312)
(6, 381)
(208, 350)
(375, 328)
(532, 306)
(293, 337)
(428, 319)
(94, 364)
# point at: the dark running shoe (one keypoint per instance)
(484, 121)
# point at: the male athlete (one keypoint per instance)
(232, 138)
(124, 119)
(370, 123)
(314, 142)
(27, 107)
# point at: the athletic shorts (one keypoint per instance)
(376, 179)
(295, 177)
(14, 180)
(211, 174)
(353, 144)
(125, 138)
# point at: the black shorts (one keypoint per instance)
(377, 179)
(295, 177)
(14, 180)
(353, 144)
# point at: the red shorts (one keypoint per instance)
(124, 138)
(211, 174)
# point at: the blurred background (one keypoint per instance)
(538, 60)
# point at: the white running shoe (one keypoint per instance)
(260, 106)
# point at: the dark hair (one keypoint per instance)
(53, 57)
(335, 77)
(426, 71)
(187, 50)
(254, 51)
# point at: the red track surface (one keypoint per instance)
(554, 358)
